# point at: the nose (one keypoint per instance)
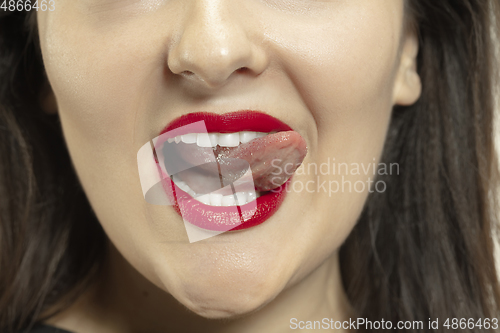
(213, 44)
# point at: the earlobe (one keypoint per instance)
(47, 99)
(408, 86)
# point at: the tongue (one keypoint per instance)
(273, 159)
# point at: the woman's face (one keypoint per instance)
(332, 70)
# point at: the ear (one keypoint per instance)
(408, 86)
(47, 99)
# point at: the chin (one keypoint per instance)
(224, 298)
(228, 306)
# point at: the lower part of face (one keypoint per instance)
(325, 68)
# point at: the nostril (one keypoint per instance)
(243, 70)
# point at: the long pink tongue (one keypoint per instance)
(273, 159)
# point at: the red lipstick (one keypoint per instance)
(231, 122)
(219, 218)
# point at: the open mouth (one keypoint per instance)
(204, 189)
(228, 172)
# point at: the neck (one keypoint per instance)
(124, 301)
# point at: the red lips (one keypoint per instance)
(231, 122)
(223, 218)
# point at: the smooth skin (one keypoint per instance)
(121, 70)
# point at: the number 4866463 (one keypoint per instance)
(27, 5)
(462, 323)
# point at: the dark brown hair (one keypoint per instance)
(422, 249)
(50, 241)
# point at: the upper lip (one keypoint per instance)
(245, 120)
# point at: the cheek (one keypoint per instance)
(74, 66)
(347, 85)
(99, 77)
(344, 71)
(345, 65)
(100, 73)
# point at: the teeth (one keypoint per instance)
(189, 138)
(183, 186)
(247, 136)
(217, 199)
(241, 197)
(214, 139)
(205, 198)
(228, 200)
(229, 140)
(251, 196)
(205, 140)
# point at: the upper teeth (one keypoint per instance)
(206, 140)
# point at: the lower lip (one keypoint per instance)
(217, 218)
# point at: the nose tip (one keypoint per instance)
(212, 47)
(211, 65)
